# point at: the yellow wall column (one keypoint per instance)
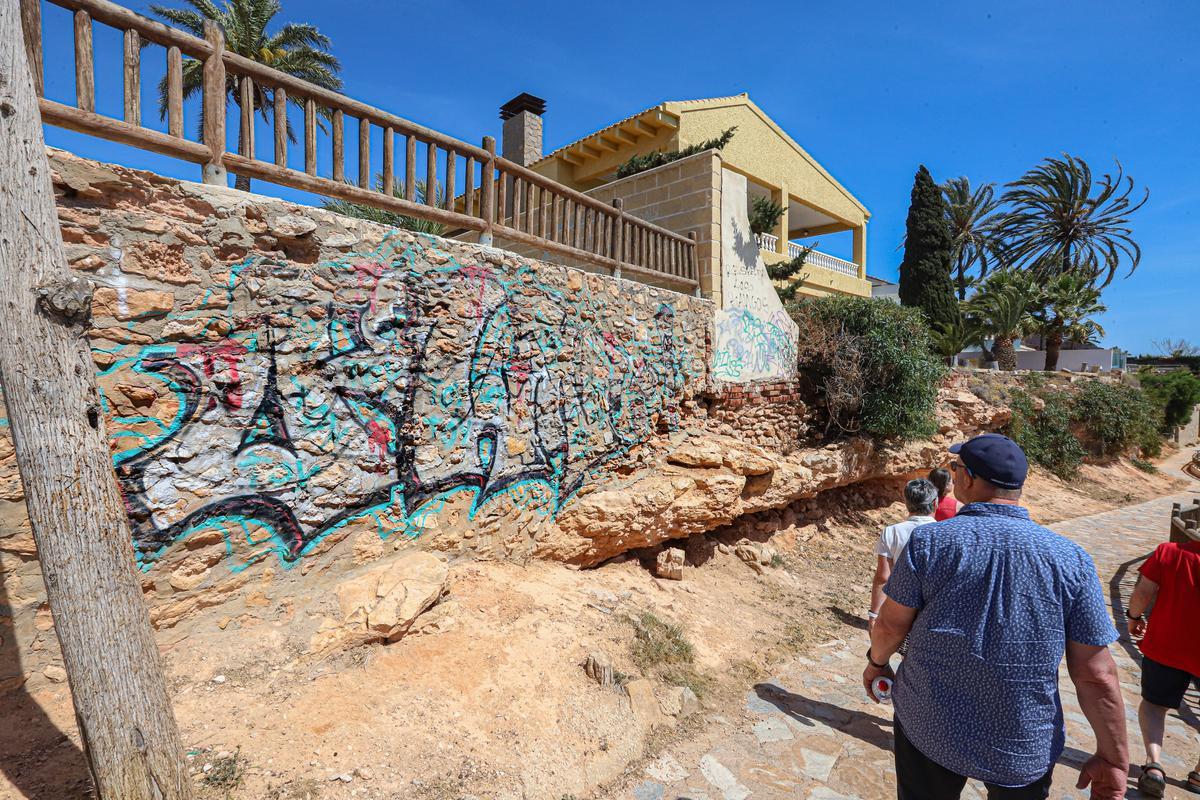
(860, 250)
(781, 230)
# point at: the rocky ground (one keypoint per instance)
(487, 696)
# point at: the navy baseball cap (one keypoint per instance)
(997, 459)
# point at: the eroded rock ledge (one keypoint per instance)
(709, 480)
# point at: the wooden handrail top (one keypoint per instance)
(301, 89)
(123, 19)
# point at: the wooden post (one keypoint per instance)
(175, 92)
(487, 184)
(364, 153)
(246, 116)
(75, 509)
(339, 146)
(133, 78)
(85, 74)
(410, 168)
(389, 165)
(691, 259)
(618, 229)
(214, 105)
(279, 118)
(310, 136)
(451, 180)
(31, 23)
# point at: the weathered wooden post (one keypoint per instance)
(487, 184)
(214, 105)
(618, 232)
(75, 509)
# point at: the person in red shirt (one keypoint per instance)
(1170, 581)
(947, 506)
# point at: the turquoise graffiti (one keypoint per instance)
(750, 347)
(407, 379)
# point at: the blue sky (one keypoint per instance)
(870, 89)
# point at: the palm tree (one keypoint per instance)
(951, 339)
(972, 219)
(298, 49)
(1002, 308)
(1060, 220)
(1070, 303)
(372, 214)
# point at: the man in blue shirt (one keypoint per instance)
(991, 602)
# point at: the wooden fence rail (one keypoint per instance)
(462, 186)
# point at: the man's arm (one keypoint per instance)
(891, 626)
(1143, 595)
(1097, 684)
(883, 571)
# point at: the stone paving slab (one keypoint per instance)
(811, 733)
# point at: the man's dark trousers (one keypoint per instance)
(918, 778)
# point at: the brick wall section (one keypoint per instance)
(770, 414)
(684, 197)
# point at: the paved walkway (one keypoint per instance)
(810, 732)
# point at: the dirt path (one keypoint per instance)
(810, 733)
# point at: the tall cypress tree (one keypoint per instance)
(925, 279)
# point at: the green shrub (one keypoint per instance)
(642, 163)
(1117, 419)
(764, 214)
(1175, 393)
(1045, 434)
(871, 364)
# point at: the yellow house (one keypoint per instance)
(686, 195)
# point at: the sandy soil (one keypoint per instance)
(489, 700)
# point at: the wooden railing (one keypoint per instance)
(483, 192)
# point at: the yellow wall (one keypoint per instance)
(766, 154)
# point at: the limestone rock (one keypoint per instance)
(127, 304)
(384, 602)
(669, 564)
(679, 701)
(291, 226)
(644, 704)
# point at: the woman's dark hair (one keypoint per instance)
(941, 479)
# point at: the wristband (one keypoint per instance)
(872, 615)
(871, 661)
(1140, 617)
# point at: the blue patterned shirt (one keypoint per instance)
(998, 596)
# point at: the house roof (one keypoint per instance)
(666, 114)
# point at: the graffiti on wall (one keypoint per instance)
(750, 346)
(412, 378)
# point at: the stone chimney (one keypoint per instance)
(521, 138)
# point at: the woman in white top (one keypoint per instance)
(921, 497)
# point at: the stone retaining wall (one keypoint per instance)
(770, 414)
(278, 379)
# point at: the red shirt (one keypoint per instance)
(947, 507)
(1171, 634)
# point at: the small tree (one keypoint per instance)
(1070, 302)
(1177, 393)
(765, 214)
(925, 271)
(1176, 348)
(790, 274)
(1002, 308)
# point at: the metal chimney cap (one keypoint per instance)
(523, 102)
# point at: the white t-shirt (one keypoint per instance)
(895, 537)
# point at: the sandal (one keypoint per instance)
(1154, 785)
(1193, 782)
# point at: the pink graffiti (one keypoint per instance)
(224, 356)
(368, 274)
(378, 438)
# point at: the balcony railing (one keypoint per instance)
(770, 243)
(484, 192)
